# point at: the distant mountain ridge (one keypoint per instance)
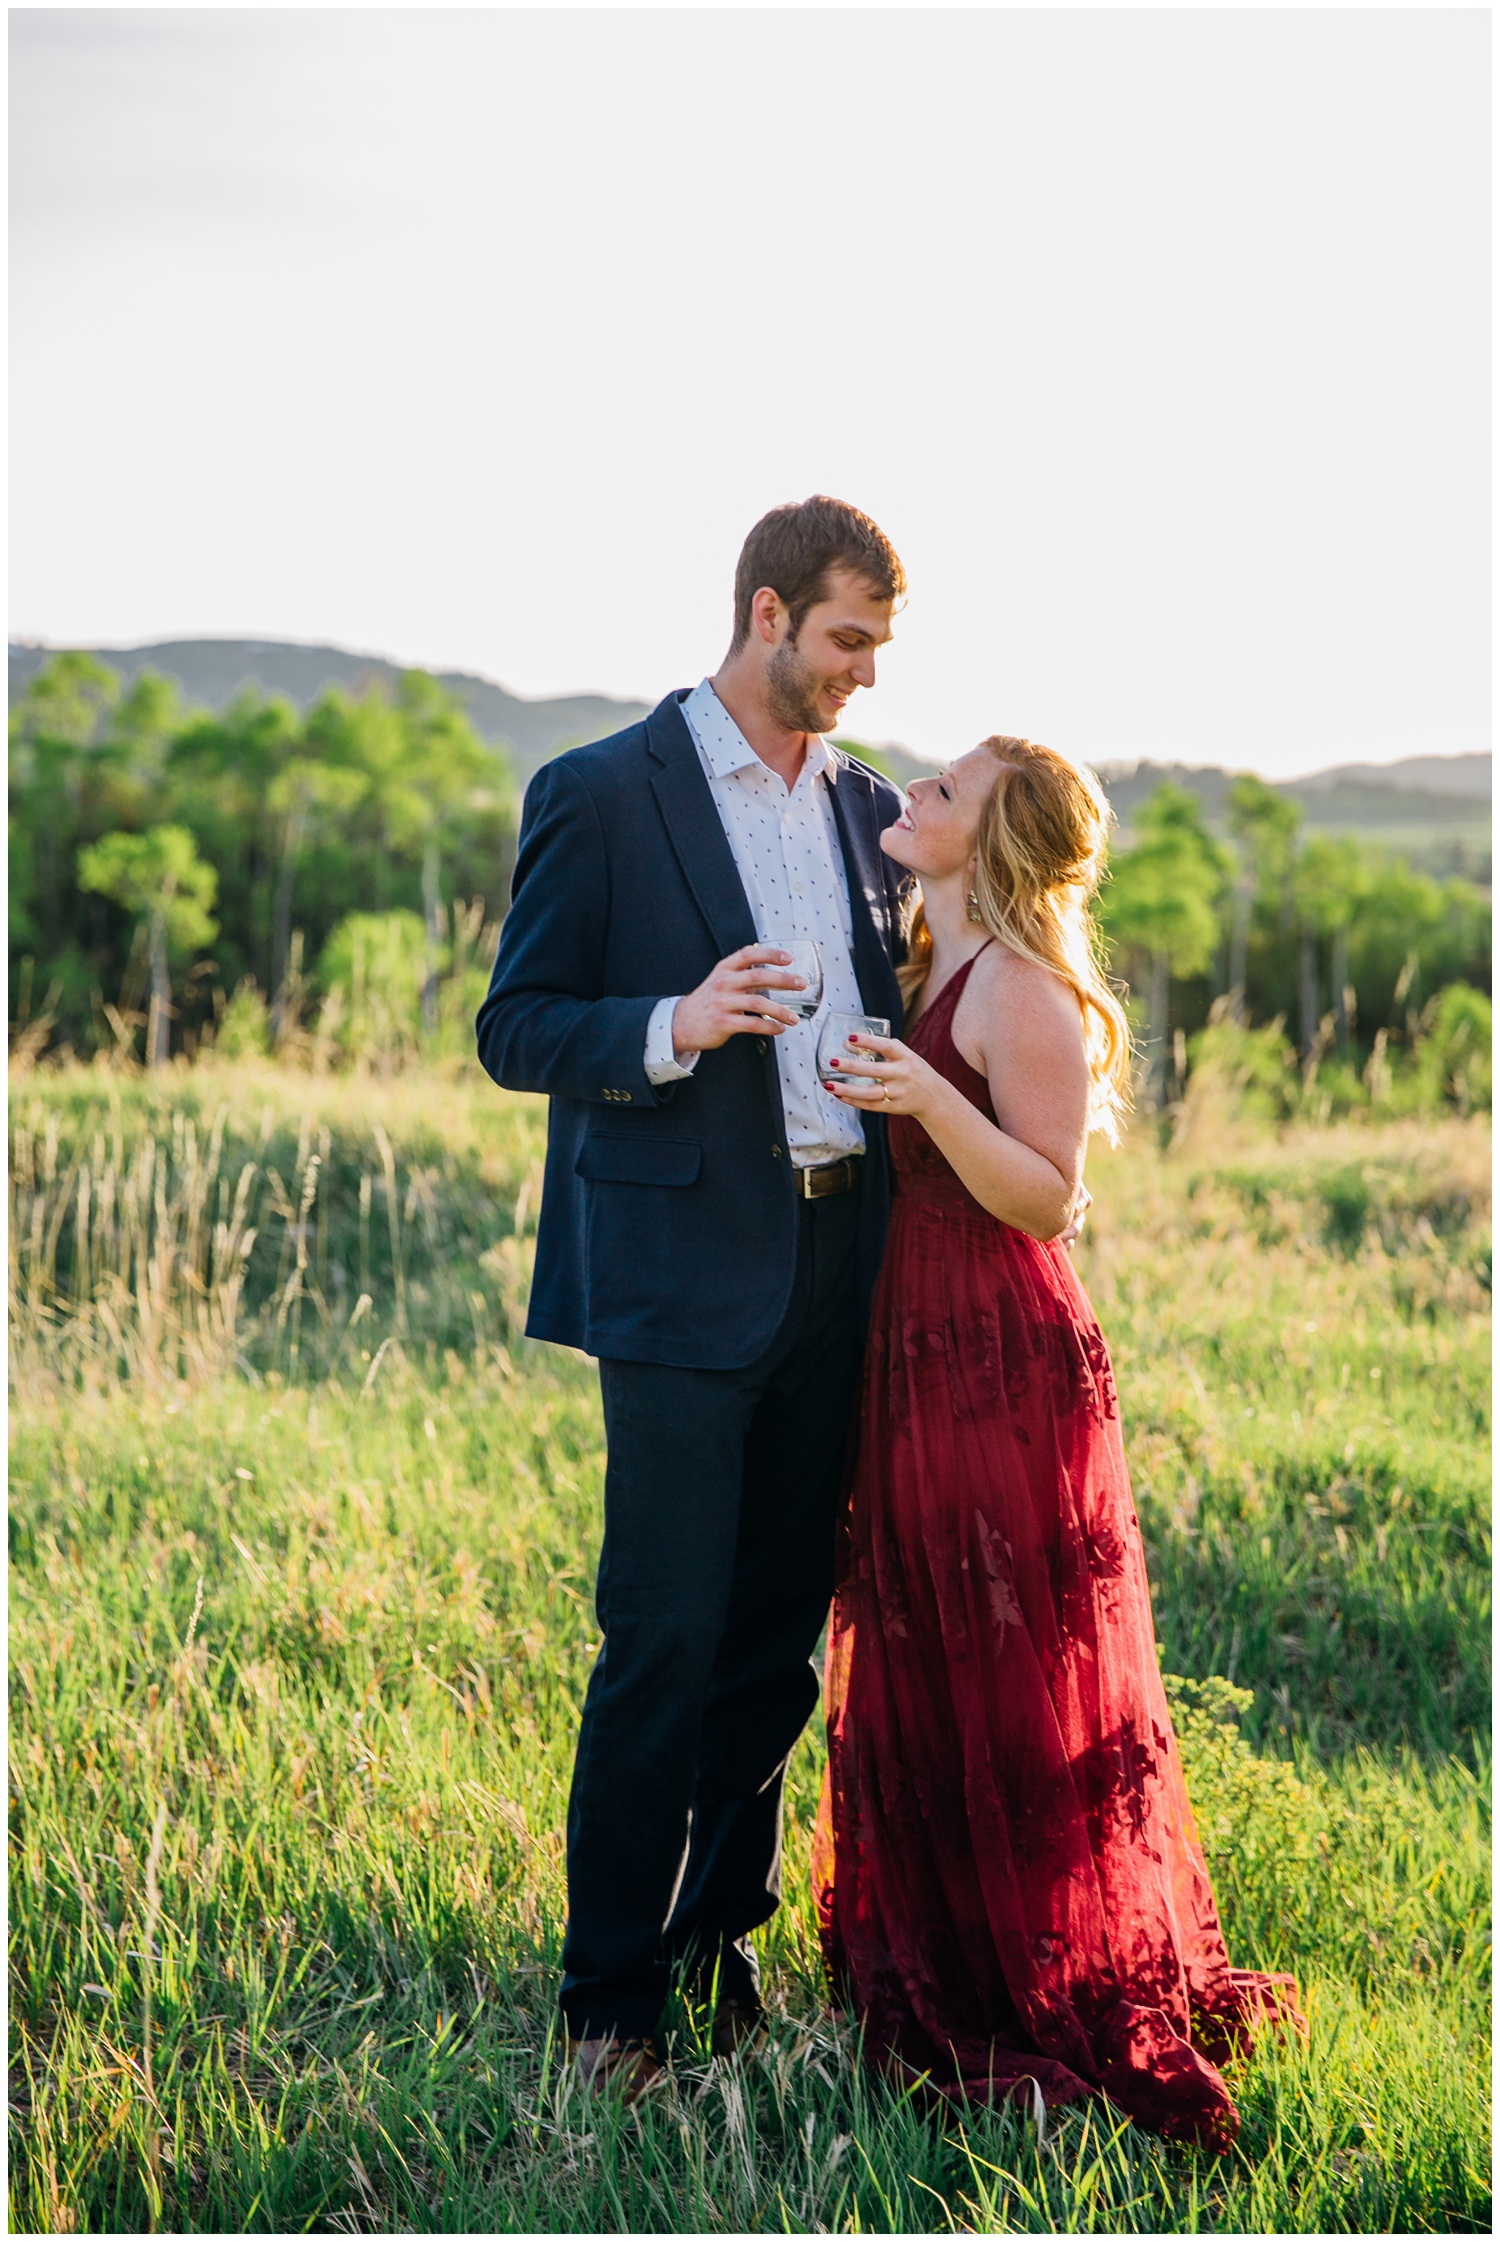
(1431, 804)
(210, 671)
(1467, 776)
(1434, 810)
(1453, 783)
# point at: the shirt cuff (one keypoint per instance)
(662, 1062)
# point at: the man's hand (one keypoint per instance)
(732, 1001)
(1081, 1205)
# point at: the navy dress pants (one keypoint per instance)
(720, 1506)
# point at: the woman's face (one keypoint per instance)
(935, 835)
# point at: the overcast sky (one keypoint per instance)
(1156, 341)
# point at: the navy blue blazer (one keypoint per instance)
(669, 1218)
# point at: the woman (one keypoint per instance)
(1010, 1882)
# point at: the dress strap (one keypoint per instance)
(953, 987)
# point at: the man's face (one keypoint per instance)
(811, 678)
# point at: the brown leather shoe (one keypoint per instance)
(737, 2027)
(629, 2068)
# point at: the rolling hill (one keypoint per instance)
(210, 671)
(1432, 809)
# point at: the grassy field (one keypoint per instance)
(302, 1543)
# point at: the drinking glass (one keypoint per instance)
(806, 961)
(833, 1043)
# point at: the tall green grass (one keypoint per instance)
(301, 1610)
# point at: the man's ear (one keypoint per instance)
(766, 614)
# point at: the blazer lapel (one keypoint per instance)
(693, 824)
(869, 902)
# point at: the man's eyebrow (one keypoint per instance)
(857, 630)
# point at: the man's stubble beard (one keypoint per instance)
(792, 686)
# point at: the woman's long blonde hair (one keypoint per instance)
(1039, 856)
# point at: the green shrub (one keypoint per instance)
(244, 1032)
(393, 993)
(1251, 1811)
(374, 966)
(1255, 1067)
(1455, 1056)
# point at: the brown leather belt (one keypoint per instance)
(826, 1183)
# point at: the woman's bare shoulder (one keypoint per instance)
(1016, 1003)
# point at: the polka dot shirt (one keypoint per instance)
(786, 849)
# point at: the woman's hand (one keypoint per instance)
(891, 1077)
(1033, 1195)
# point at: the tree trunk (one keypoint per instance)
(1307, 991)
(432, 909)
(1156, 1034)
(1239, 949)
(1343, 994)
(159, 1014)
(281, 922)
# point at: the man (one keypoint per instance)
(711, 1227)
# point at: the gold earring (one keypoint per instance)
(971, 905)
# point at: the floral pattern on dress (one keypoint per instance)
(1010, 1886)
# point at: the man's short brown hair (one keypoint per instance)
(794, 549)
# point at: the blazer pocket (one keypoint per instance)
(639, 1160)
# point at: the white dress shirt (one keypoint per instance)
(786, 849)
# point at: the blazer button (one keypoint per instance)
(760, 1045)
(775, 1152)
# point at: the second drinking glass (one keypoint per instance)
(806, 961)
(833, 1043)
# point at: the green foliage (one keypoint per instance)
(1264, 824)
(158, 876)
(378, 963)
(65, 703)
(244, 1028)
(390, 804)
(1253, 1074)
(1254, 1070)
(1317, 928)
(1457, 1050)
(1248, 1808)
(370, 804)
(301, 1619)
(21, 878)
(1162, 895)
(1330, 877)
(398, 990)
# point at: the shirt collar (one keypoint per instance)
(822, 759)
(725, 747)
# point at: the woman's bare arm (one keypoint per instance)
(1022, 1028)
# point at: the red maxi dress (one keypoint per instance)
(1009, 1880)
